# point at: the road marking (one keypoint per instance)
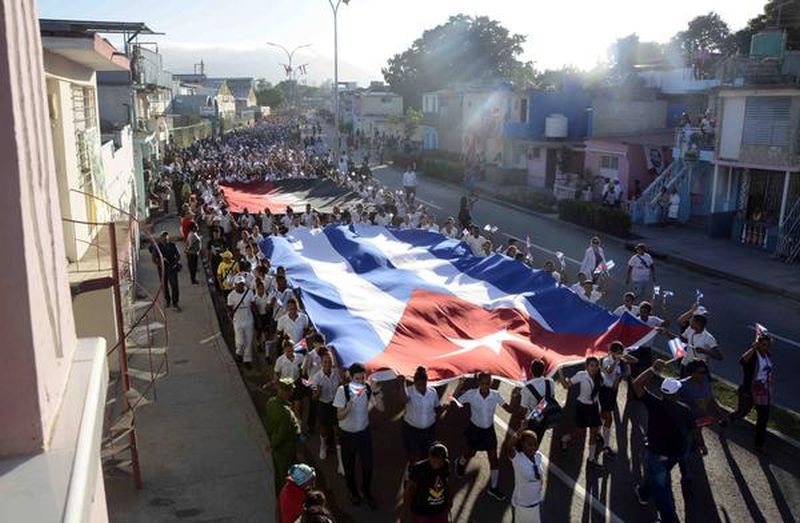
(545, 249)
(595, 503)
(429, 204)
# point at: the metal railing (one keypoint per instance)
(788, 247)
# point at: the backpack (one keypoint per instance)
(552, 411)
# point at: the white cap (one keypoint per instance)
(239, 279)
(700, 311)
(670, 386)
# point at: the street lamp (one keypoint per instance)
(335, 8)
(288, 67)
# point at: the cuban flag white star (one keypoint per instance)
(493, 342)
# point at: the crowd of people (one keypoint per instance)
(311, 392)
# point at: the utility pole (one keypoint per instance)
(290, 69)
(335, 8)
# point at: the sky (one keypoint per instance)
(230, 36)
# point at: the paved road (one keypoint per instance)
(733, 307)
(730, 484)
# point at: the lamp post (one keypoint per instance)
(335, 8)
(289, 68)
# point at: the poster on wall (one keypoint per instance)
(655, 158)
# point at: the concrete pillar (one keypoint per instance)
(714, 189)
(37, 327)
(785, 197)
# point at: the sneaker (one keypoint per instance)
(496, 494)
(323, 451)
(642, 499)
(461, 469)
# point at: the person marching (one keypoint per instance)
(352, 402)
(526, 498)
(480, 434)
(535, 390)
(283, 430)
(612, 370)
(756, 387)
(587, 411)
(323, 386)
(427, 489)
(419, 419)
(241, 308)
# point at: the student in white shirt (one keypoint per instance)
(419, 419)
(612, 370)
(240, 307)
(648, 319)
(352, 402)
(450, 230)
(700, 344)
(533, 391)
(480, 434)
(587, 409)
(589, 292)
(293, 324)
(475, 240)
(323, 389)
(550, 268)
(526, 460)
(641, 270)
(281, 296)
(627, 305)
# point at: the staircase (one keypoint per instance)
(674, 176)
(789, 236)
(638, 208)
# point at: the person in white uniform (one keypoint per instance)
(526, 460)
(419, 419)
(480, 434)
(587, 410)
(241, 305)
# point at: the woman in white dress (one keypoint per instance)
(592, 259)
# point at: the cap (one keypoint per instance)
(164, 233)
(670, 386)
(301, 474)
(239, 279)
(227, 255)
(286, 383)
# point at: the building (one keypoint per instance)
(89, 164)
(377, 112)
(244, 94)
(52, 383)
(203, 97)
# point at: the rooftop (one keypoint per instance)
(76, 27)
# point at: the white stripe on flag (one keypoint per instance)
(442, 276)
(363, 299)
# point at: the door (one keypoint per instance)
(730, 141)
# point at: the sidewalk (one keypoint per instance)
(693, 249)
(200, 443)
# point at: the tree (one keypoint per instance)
(412, 119)
(778, 14)
(704, 33)
(463, 49)
(269, 95)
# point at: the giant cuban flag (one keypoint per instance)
(396, 299)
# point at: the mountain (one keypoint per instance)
(262, 62)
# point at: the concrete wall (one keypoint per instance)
(37, 327)
(119, 174)
(572, 102)
(94, 316)
(384, 104)
(537, 169)
(596, 149)
(611, 117)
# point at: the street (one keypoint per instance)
(733, 307)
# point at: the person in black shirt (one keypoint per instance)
(756, 388)
(427, 492)
(669, 431)
(172, 265)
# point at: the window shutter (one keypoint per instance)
(767, 121)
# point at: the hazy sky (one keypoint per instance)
(574, 32)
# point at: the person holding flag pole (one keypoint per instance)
(756, 388)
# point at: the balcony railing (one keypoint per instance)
(690, 141)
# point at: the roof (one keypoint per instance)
(59, 26)
(189, 103)
(660, 137)
(240, 87)
(87, 49)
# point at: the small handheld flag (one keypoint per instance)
(452, 399)
(537, 414)
(677, 348)
(528, 244)
(761, 330)
(605, 267)
(561, 260)
(490, 228)
(357, 388)
(301, 347)
(656, 290)
(697, 295)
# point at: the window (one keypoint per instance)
(609, 162)
(535, 153)
(767, 121)
(523, 110)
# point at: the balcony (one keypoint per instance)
(695, 144)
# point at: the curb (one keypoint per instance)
(630, 244)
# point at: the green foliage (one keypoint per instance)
(781, 14)
(594, 216)
(411, 121)
(707, 32)
(535, 200)
(463, 49)
(269, 95)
